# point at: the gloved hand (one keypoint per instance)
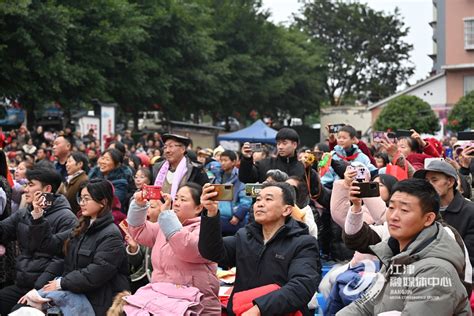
(169, 223)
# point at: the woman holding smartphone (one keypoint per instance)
(95, 261)
(174, 241)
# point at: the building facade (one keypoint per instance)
(452, 74)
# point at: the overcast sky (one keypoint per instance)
(416, 14)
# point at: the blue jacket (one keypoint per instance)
(331, 176)
(240, 205)
(69, 303)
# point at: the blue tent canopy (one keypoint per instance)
(258, 132)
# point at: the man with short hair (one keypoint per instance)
(32, 266)
(420, 260)
(455, 209)
(233, 213)
(61, 149)
(275, 249)
(127, 139)
(287, 160)
(177, 169)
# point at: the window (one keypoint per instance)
(469, 33)
(468, 84)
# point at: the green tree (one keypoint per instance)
(366, 53)
(461, 116)
(65, 51)
(407, 112)
(271, 69)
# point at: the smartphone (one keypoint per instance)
(124, 226)
(47, 199)
(403, 133)
(378, 136)
(225, 192)
(334, 128)
(391, 136)
(256, 147)
(151, 192)
(448, 151)
(360, 176)
(429, 160)
(368, 189)
(253, 189)
(466, 135)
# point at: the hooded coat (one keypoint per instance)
(32, 264)
(424, 271)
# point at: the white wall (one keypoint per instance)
(433, 92)
(357, 116)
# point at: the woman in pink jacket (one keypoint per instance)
(174, 241)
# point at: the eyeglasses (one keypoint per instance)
(83, 200)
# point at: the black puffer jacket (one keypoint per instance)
(32, 265)
(95, 264)
(251, 173)
(290, 259)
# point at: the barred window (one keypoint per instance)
(468, 84)
(469, 33)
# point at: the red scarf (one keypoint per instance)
(348, 158)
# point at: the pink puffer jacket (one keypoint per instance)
(178, 260)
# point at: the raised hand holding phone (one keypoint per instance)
(139, 198)
(354, 192)
(246, 150)
(38, 205)
(208, 193)
(349, 175)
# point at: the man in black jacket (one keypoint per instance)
(455, 209)
(287, 160)
(33, 268)
(177, 169)
(275, 249)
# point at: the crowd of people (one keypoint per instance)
(141, 227)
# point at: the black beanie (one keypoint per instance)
(287, 133)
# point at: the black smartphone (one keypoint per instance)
(368, 189)
(403, 133)
(466, 135)
(391, 136)
(47, 199)
(334, 128)
(256, 147)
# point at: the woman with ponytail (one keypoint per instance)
(95, 261)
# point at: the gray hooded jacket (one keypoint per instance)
(421, 280)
